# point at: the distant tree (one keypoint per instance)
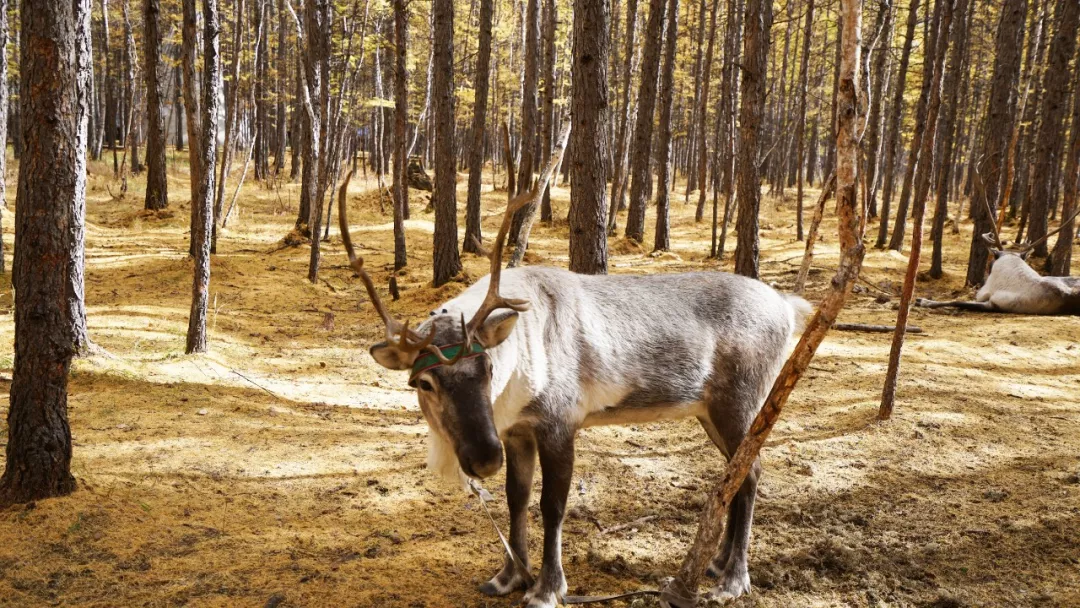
(446, 260)
(618, 182)
(401, 111)
(476, 151)
(4, 100)
(54, 75)
(891, 145)
(1061, 255)
(662, 240)
(589, 153)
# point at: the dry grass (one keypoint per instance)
(285, 466)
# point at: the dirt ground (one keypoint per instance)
(285, 468)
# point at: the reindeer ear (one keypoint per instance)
(392, 357)
(997, 253)
(1024, 254)
(497, 328)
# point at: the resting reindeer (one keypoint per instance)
(1015, 287)
(547, 352)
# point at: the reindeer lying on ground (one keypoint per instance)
(547, 352)
(1015, 287)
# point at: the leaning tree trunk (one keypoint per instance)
(157, 184)
(54, 77)
(482, 81)
(922, 190)
(401, 110)
(662, 241)
(682, 591)
(1055, 92)
(202, 151)
(589, 152)
(641, 145)
(751, 111)
(447, 263)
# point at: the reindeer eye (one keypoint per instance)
(424, 385)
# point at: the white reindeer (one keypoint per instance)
(1013, 286)
(562, 351)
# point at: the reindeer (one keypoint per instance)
(546, 352)
(1014, 287)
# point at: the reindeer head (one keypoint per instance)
(447, 359)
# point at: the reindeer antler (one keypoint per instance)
(992, 238)
(1035, 243)
(398, 334)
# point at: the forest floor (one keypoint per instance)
(285, 468)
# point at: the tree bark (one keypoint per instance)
(662, 240)
(54, 76)
(589, 149)
(1054, 98)
(751, 112)
(641, 145)
(473, 235)
(202, 137)
(157, 184)
(447, 263)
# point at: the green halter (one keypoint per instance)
(428, 361)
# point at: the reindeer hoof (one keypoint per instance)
(730, 587)
(503, 584)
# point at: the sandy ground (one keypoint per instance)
(285, 468)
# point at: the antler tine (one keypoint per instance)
(1034, 244)
(493, 301)
(406, 339)
(996, 242)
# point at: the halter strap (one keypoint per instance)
(429, 360)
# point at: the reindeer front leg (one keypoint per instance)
(556, 447)
(520, 464)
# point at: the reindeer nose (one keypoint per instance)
(483, 462)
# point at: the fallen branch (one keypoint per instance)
(629, 524)
(874, 329)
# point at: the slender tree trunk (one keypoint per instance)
(892, 139)
(157, 184)
(1054, 99)
(281, 114)
(800, 123)
(547, 135)
(589, 149)
(529, 123)
(879, 75)
(703, 112)
(662, 240)
(482, 80)
(896, 242)
(4, 101)
(697, 116)
(54, 80)
(922, 190)
(447, 263)
(203, 148)
(751, 114)
(232, 111)
(641, 145)
(618, 182)
(401, 110)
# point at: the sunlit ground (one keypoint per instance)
(285, 466)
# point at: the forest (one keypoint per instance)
(295, 295)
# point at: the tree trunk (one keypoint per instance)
(662, 241)
(589, 149)
(547, 135)
(892, 138)
(157, 184)
(702, 113)
(751, 112)
(232, 111)
(447, 263)
(54, 76)
(401, 111)
(697, 116)
(896, 242)
(618, 182)
(1054, 100)
(641, 146)
(945, 135)
(879, 74)
(800, 121)
(318, 24)
(482, 81)
(1061, 256)
(922, 190)
(281, 114)
(202, 135)
(529, 123)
